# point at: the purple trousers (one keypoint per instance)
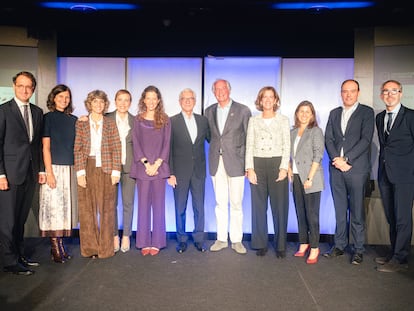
(151, 202)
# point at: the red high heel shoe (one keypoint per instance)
(154, 251)
(313, 260)
(301, 253)
(145, 251)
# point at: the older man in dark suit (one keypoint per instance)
(20, 164)
(228, 122)
(348, 138)
(395, 126)
(189, 131)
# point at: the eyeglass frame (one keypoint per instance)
(392, 92)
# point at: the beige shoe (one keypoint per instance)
(218, 246)
(125, 244)
(116, 243)
(239, 248)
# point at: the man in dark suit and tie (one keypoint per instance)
(189, 131)
(228, 122)
(348, 138)
(395, 126)
(20, 163)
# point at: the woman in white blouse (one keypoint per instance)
(307, 175)
(267, 160)
(124, 122)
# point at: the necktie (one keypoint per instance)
(26, 119)
(389, 122)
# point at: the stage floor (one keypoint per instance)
(195, 281)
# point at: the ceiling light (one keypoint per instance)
(326, 5)
(88, 6)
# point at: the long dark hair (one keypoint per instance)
(312, 122)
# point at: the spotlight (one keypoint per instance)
(322, 5)
(88, 6)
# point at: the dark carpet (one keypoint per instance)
(205, 281)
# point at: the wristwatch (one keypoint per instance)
(345, 159)
(145, 161)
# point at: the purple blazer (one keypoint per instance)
(152, 144)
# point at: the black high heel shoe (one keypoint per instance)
(261, 251)
(280, 254)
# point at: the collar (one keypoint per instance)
(20, 103)
(395, 110)
(227, 106)
(353, 108)
(186, 116)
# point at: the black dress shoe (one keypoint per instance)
(334, 252)
(357, 259)
(261, 251)
(181, 247)
(280, 254)
(27, 262)
(18, 269)
(382, 260)
(393, 266)
(200, 246)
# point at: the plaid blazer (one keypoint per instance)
(110, 146)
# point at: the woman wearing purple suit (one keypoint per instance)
(151, 144)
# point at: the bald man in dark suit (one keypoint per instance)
(348, 138)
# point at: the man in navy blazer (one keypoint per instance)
(228, 122)
(395, 126)
(189, 131)
(348, 138)
(20, 164)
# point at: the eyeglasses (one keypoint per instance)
(186, 98)
(24, 87)
(388, 92)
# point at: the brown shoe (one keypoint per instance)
(56, 254)
(63, 250)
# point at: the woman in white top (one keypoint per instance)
(307, 175)
(267, 160)
(124, 122)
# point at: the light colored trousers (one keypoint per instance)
(225, 188)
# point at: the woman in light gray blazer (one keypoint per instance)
(267, 162)
(305, 171)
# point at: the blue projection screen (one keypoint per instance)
(247, 75)
(317, 80)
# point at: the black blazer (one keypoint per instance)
(16, 151)
(187, 158)
(356, 140)
(397, 151)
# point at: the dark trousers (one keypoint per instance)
(195, 185)
(398, 205)
(267, 171)
(348, 192)
(127, 187)
(307, 212)
(96, 213)
(15, 206)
